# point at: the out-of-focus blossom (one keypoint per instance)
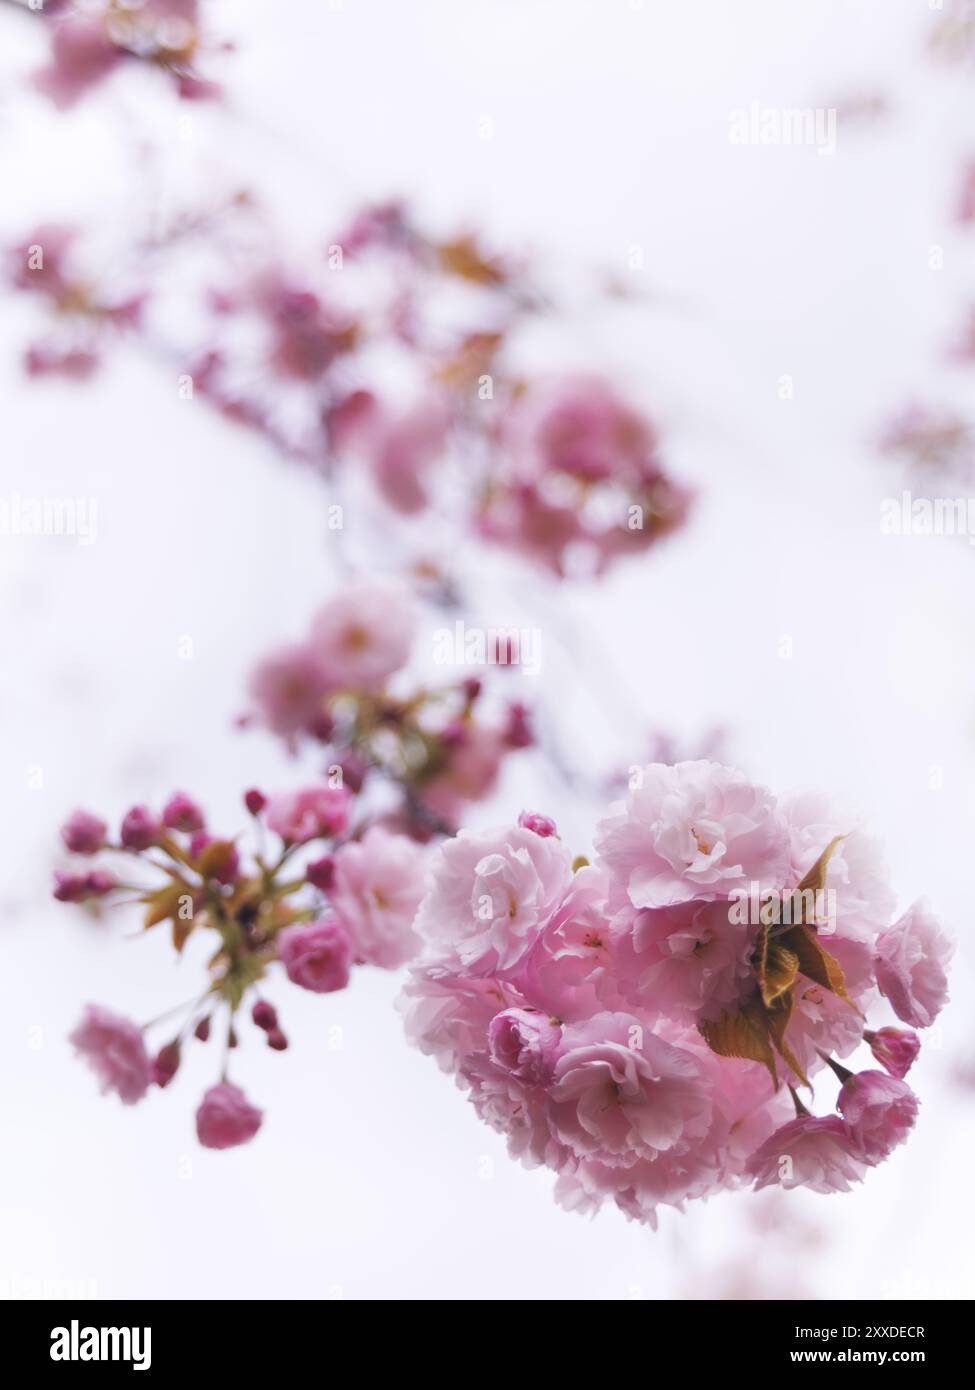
(364, 634)
(309, 814)
(83, 833)
(317, 955)
(113, 1048)
(376, 887)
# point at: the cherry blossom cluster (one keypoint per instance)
(643, 1024)
(431, 751)
(91, 39)
(317, 899)
(559, 468)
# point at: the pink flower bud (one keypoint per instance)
(255, 801)
(165, 1064)
(471, 688)
(316, 955)
(518, 731)
(277, 1040)
(896, 1049)
(83, 833)
(202, 1029)
(180, 813)
(226, 1117)
(321, 872)
(140, 829)
(78, 888)
(264, 1015)
(542, 825)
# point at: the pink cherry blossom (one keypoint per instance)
(317, 955)
(289, 689)
(82, 54)
(376, 887)
(364, 634)
(811, 1151)
(567, 971)
(912, 961)
(896, 1049)
(622, 1093)
(578, 425)
(880, 1111)
(491, 891)
(226, 1118)
(542, 825)
(473, 762)
(83, 833)
(113, 1048)
(691, 830)
(404, 449)
(309, 814)
(524, 1043)
(692, 960)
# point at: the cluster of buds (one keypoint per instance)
(431, 748)
(315, 900)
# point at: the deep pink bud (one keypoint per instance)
(202, 1029)
(83, 833)
(896, 1049)
(165, 1064)
(255, 801)
(518, 731)
(199, 842)
(542, 825)
(78, 888)
(472, 688)
(180, 813)
(226, 1118)
(321, 872)
(277, 1040)
(354, 769)
(264, 1015)
(140, 829)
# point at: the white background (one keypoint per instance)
(371, 1177)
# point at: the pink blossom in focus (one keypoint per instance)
(317, 955)
(226, 1118)
(691, 830)
(113, 1048)
(364, 634)
(542, 825)
(524, 1043)
(880, 1111)
(376, 887)
(912, 961)
(491, 891)
(620, 1091)
(810, 1151)
(310, 814)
